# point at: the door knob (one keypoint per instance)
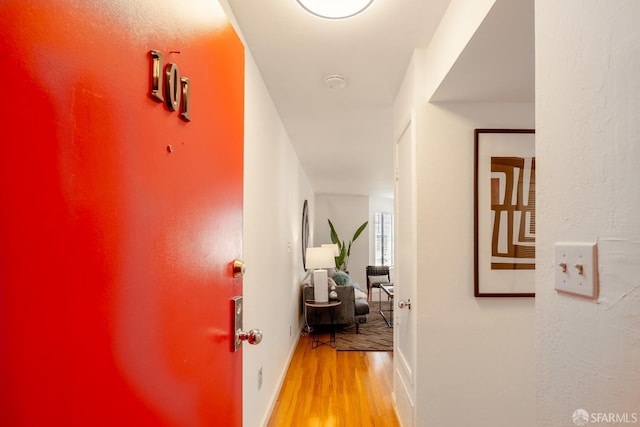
(238, 268)
(403, 304)
(253, 337)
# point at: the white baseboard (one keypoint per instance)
(283, 375)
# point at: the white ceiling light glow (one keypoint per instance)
(334, 9)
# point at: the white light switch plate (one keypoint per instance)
(576, 268)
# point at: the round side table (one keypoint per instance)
(318, 306)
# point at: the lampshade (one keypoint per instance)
(333, 247)
(321, 257)
(335, 9)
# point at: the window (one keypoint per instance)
(383, 224)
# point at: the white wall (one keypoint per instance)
(272, 244)
(272, 247)
(347, 213)
(588, 149)
(476, 355)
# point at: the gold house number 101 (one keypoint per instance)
(176, 89)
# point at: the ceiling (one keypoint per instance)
(343, 137)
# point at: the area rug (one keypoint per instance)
(375, 335)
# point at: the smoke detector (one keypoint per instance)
(335, 81)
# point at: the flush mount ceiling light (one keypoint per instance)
(334, 9)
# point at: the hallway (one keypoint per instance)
(329, 388)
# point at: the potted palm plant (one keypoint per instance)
(342, 260)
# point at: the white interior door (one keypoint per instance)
(406, 272)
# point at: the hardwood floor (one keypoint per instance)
(329, 388)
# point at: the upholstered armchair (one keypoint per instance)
(377, 274)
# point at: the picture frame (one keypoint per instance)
(504, 213)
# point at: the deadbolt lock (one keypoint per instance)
(238, 268)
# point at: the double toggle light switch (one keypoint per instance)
(579, 267)
(576, 268)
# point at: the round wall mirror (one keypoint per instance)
(305, 233)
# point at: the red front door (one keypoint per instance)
(119, 220)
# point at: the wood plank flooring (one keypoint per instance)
(327, 388)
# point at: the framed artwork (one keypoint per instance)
(505, 213)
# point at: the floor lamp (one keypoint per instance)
(318, 260)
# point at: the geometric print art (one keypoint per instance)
(513, 213)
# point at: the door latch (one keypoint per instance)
(403, 304)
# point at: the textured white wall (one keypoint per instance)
(272, 247)
(588, 189)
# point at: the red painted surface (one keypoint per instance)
(115, 254)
